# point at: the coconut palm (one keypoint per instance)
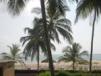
(58, 24)
(85, 8)
(73, 53)
(14, 54)
(52, 11)
(53, 6)
(15, 6)
(35, 41)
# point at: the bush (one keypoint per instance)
(45, 74)
(62, 74)
(75, 74)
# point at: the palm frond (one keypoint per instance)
(36, 10)
(57, 5)
(84, 53)
(29, 48)
(15, 6)
(62, 58)
(27, 29)
(61, 4)
(14, 53)
(64, 26)
(74, 0)
(52, 46)
(72, 53)
(86, 7)
(14, 49)
(67, 49)
(55, 35)
(25, 39)
(64, 20)
(65, 34)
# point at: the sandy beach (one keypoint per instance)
(59, 66)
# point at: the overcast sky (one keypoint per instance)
(11, 28)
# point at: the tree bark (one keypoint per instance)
(73, 65)
(92, 41)
(47, 38)
(38, 60)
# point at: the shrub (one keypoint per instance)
(45, 74)
(62, 74)
(75, 74)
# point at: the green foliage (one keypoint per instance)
(65, 73)
(62, 74)
(71, 73)
(75, 74)
(45, 74)
(73, 53)
(14, 54)
(86, 7)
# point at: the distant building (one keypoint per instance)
(7, 68)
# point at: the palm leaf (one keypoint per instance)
(84, 53)
(86, 7)
(65, 34)
(15, 6)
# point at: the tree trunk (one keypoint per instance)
(73, 65)
(92, 39)
(38, 61)
(47, 38)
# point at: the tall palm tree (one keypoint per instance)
(52, 10)
(35, 41)
(73, 53)
(14, 54)
(16, 5)
(54, 25)
(86, 7)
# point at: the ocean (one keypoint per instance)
(56, 57)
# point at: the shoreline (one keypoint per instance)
(59, 66)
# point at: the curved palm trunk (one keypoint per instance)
(47, 38)
(92, 40)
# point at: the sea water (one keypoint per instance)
(57, 56)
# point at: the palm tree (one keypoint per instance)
(16, 5)
(37, 33)
(73, 53)
(32, 47)
(35, 41)
(14, 54)
(57, 24)
(86, 7)
(52, 10)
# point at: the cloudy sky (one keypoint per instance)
(11, 28)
